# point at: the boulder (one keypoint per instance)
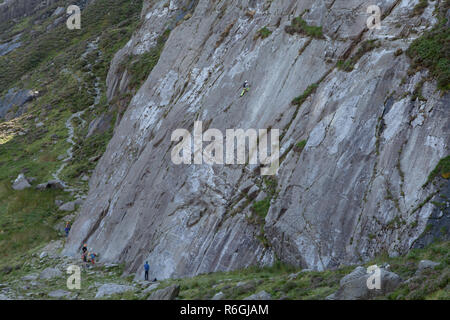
(219, 296)
(168, 293)
(151, 288)
(52, 184)
(426, 264)
(50, 273)
(112, 288)
(354, 286)
(30, 277)
(58, 11)
(21, 183)
(262, 295)
(69, 206)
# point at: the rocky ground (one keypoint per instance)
(41, 274)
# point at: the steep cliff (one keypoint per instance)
(360, 133)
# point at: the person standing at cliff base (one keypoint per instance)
(146, 268)
(84, 253)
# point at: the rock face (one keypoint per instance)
(354, 285)
(14, 98)
(10, 9)
(353, 191)
(169, 293)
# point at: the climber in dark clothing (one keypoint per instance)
(146, 268)
(84, 254)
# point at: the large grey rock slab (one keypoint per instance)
(112, 288)
(369, 149)
(168, 293)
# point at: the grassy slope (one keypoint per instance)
(51, 63)
(276, 280)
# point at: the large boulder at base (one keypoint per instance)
(263, 295)
(112, 288)
(50, 273)
(354, 285)
(168, 293)
(21, 183)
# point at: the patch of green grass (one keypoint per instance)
(349, 64)
(26, 219)
(420, 7)
(140, 66)
(432, 51)
(299, 146)
(298, 25)
(262, 207)
(442, 169)
(298, 101)
(263, 33)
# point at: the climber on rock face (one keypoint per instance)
(146, 268)
(245, 87)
